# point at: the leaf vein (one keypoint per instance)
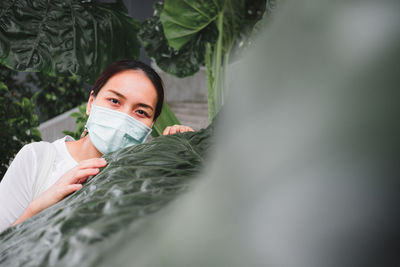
(36, 43)
(74, 35)
(198, 10)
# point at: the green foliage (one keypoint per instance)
(138, 182)
(18, 123)
(65, 37)
(186, 24)
(183, 62)
(80, 119)
(17, 88)
(56, 95)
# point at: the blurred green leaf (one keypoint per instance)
(75, 114)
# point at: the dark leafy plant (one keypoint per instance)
(18, 123)
(17, 88)
(138, 182)
(65, 37)
(56, 95)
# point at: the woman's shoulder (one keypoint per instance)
(37, 151)
(40, 145)
(35, 147)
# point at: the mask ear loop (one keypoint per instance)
(84, 133)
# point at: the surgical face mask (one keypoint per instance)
(110, 130)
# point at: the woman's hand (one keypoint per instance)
(70, 182)
(177, 129)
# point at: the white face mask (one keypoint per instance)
(110, 130)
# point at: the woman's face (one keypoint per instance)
(131, 92)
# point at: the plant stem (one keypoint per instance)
(223, 82)
(218, 63)
(210, 81)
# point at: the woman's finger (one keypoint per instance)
(183, 129)
(82, 175)
(166, 130)
(177, 129)
(75, 175)
(69, 189)
(173, 129)
(92, 163)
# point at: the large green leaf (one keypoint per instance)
(183, 22)
(65, 37)
(137, 182)
(183, 62)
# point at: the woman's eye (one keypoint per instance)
(141, 112)
(114, 101)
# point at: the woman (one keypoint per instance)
(123, 105)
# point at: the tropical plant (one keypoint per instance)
(18, 123)
(201, 33)
(64, 38)
(56, 95)
(17, 88)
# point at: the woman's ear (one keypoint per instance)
(89, 103)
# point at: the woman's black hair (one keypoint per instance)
(130, 64)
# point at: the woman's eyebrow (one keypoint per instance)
(145, 106)
(116, 93)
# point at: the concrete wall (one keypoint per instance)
(53, 128)
(190, 89)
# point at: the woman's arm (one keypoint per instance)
(67, 184)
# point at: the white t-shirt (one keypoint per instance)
(16, 188)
